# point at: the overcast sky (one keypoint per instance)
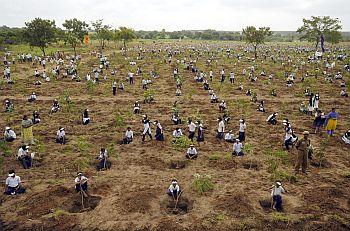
(177, 14)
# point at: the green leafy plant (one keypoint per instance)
(202, 183)
(148, 96)
(81, 163)
(90, 87)
(248, 148)
(119, 120)
(181, 143)
(82, 144)
(214, 157)
(5, 148)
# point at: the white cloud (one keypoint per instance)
(177, 14)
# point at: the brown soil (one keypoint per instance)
(130, 195)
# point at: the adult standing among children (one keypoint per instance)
(302, 146)
(27, 130)
(332, 121)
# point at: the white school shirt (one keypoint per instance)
(242, 127)
(232, 75)
(172, 188)
(13, 181)
(77, 180)
(10, 133)
(61, 134)
(191, 151)
(228, 136)
(221, 127)
(177, 134)
(129, 134)
(277, 191)
(289, 133)
(22, 152)
(103, 154)
(192, 127)
(237, 147)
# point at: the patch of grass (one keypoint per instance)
(202, 183)
(280, 155)
(90, 86)
(81, 163)
(5, 149)
(59, 213)
(248, 148)
(181, 143)
(283, 176)
(82, 144)
(347, 175)
(148, 95)
(40, 147)
(214, 157)
(119, 120)
(279, 217)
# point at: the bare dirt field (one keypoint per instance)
(131, 195)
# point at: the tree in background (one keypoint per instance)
(40, 33)
(126, 35)
(256, 37)
(334, 37)
(314, 28)
(75, 32)
(103, 33)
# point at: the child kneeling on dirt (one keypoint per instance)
(86, 118)
(129, 136)
(174, 189)
(13, 184)
(191, 152)
(61, 136)
(81, 183)
(238, 148)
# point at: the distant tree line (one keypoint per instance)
(41, 33)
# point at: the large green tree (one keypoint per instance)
(312, 29)
(255, 37)
(103, 32)
(75, 32)
(40, 33)
(125, 35)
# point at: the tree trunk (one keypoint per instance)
(75, 53)
(255, 53)
(43, 50)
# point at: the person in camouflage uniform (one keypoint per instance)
(302, 146)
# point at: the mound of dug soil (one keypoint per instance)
(56, 197)
(177, 164)
(251, 165)
(182, 206)
(137, 202)
(235, 205)
(90, 203)
(153, 162)
(222, 164)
